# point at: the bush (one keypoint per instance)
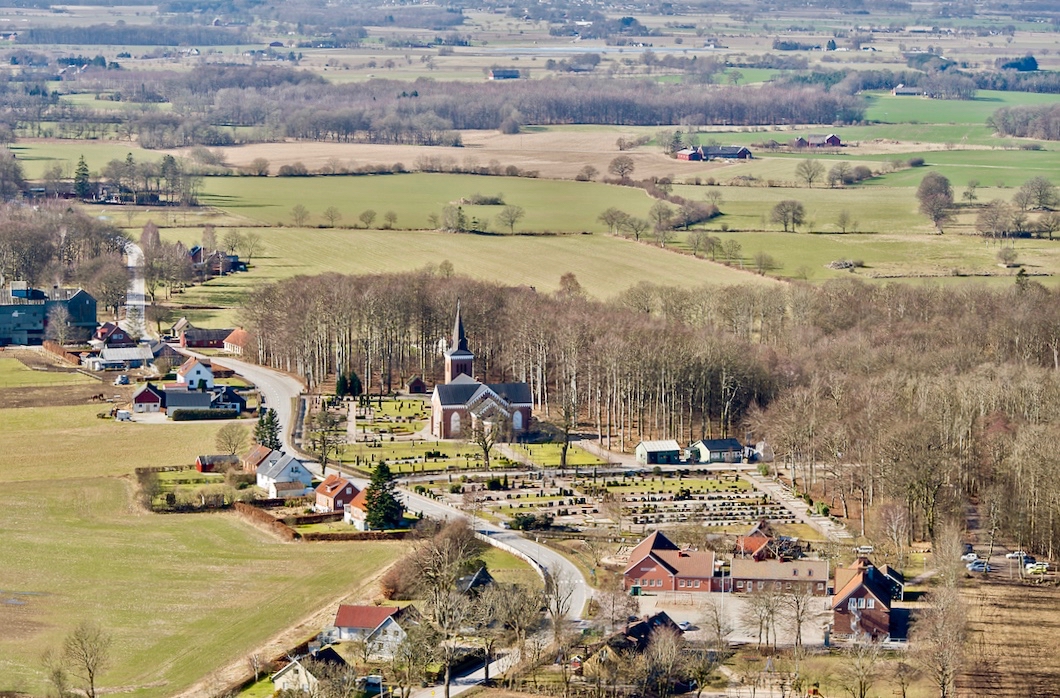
(915, 162)
(455, 489)
(296, 169)
(199, 415)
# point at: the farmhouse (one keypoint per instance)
(903, 91)
(356, 512)
(119, 358)
(463, 403)
(666, 452)
(25, 312)
(297, 677)
(716, 451)
(750, 575)
(237, 341)
(176, 399)
(285, 469)
(381, 627)
(504, 74)
(109, 334)
(711, 152)
(861, 606)
(657, 564)
(334, 493)
(225, 397)
(195, 374)
(818, 141)
(258, 455)
(148, 398)
(203, 339)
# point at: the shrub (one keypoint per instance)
(915, 162)
(199, 415)
(296, 169)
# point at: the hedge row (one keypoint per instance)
(193, 415)
(355, 535)
(263, 517)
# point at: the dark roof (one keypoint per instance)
(191, 399)
(722, 444)
(457, 392)
(638, 634)
(206, 335)
(474, 582)
(218, 460)
(458, 342)
(518, 393)
(328, 655)
(722, 151)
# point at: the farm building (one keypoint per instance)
(710, 152)
(903, 91)
(504, 74)
(195, 374)
(657, 564)
(818, 141)
(120, 358)
(286, 469)
(716, 451)
(658, 452)
(215, 463)
(148, 398)
(204, 339)
(25, 312)
(176, 399)
(462, 402)
(237, 341)
(381, 627)
(749, 575)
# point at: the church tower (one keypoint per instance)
(458, 358)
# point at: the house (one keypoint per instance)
(463, 403)
(334, 493)
(148, 398)
(636, 635)
(225, 397)
(657, 564)
(287, 468)
(176, 399)
(821, 141)
(472, 584)
(504, 74)
(903, 91)
(257, 455)
(761, 543)
(119, 358)
(286, 490)
(216, 463)
(356, 512)
(415, 386)
(716, 451)
(180, 325)
(161, 350)
(110, 334)
(750, 575)
(237, 341)
(297, 676)
(382, 627)
(861, 606)
(203, 339)
(195, 374)
(725, 152)
(666, 452)
(688, 154)
(26, 312)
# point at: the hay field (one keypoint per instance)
(182, 595)
(15, 374)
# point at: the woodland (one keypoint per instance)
(925, 396)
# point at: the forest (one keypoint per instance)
(864, 397)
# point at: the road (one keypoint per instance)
(136, 296)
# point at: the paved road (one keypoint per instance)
(136, 296)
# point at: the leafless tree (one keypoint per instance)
(665, 655)
(326, 440)
(417, 649)
(59, 329)
(938, 639)
(798, 609)
(55, 673)
(621, 166)
(860, 668)
(367, 217)
(300, 215)
(86, 654)
(559, 594)
(809, 171)
(510, 216)
(332, 215)
(231, 438)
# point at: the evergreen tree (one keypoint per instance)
(267, 431)
(342, 386)
(354, 384)
(384, 509)
(81, 184)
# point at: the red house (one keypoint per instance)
(148, 398)
(657, 564)
(113, 336)
(334, 493)
(204, 339)
(861, 607)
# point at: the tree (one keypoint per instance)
(232, 240)
(59, 329)
(732, 250)
(267, 430)
(325, 439)
(509, 216)
(665, 653)
(935, 195)
(231, 438)
(209, 238)
(938, 639)
(612, 218)
(82, 185)
(788, 213)
(969, 194)
(859, 670)
(660, 215)
(587, 174)
(367, 217)
(621, 166)
(635, 226)
(798, 607)
(384, 508)
(765, 263)
(12, 179)
(55, 673)
(417, 649)
(299, 214)
(485, 436)
(259, 167)
(840, 173)
(1048, 224)
(559, 594)
(86, 653)
(809, 171)
(1007, 256)
(389, 219)
(332, 215)
(845, 221)
(1040, 192)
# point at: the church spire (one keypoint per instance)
(459, 337)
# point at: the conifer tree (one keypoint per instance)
(81, 184)
(384, 509)
(267, 430)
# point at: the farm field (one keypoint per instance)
(15, 374)
(37, 155)
(227, 586)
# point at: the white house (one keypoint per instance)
(666, 452)
(193, 373)
(356, 512)
(379, 626)
(296, 677)
(287, 468)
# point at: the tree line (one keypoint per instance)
(1028, 121)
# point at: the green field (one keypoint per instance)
(181, 594)
(15, 374)
(548, 455)
(71, 442)
(37, 156)
(889, 109)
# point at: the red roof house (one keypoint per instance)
(334, 493)
(657, 564)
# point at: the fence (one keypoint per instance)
(512, 551)
(58, 350)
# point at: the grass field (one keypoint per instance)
(548, 455)
(887, 108)
(71, 442)
(15, 374)
(38, 155)
(181, 594)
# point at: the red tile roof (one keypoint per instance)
(239, 337)
(361, 500)
(332, 485)
(256, 455)
(370, 617)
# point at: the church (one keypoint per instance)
(462, 402)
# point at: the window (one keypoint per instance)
(761, 585)
(739, 585)
(681, 583)
(809, 573)
(795, 572)
(870, 603)
(820, 586)
(852, 603)
(788, 585)
(861, 602)
(697, 584)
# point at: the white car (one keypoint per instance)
(1037, 567)
(685, 625)
(1016, 555)
(969, 557)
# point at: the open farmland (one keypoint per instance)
(182, 595)
(15, 374)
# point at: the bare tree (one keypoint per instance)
(621, 166)
(59, 329)
(486, 436)
(55, 673)
(665, 659)
(251, 245)
(326, 440)
(417, 649)
(332, 215)
(938, 639)
(789, 213)
(798, 609)
(231, 438)
(559, 594)
(86, 653)
(860, 668)
(367, 217)
(809, 171)
(299, 214)
(510, 216)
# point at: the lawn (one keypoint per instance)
(887, 108)
(15, 374)
(508, 569)
(548, 455)
(182, 594)
(71, 442)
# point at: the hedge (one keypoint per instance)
(193, 415)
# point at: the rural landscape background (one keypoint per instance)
(880, 308)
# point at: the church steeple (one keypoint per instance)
(458, 359)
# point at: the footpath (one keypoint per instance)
(824, 525)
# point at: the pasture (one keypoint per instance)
(182, 595)
(15, 374)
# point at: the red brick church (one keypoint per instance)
(463, 402)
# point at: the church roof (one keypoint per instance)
(458, 343)
(463, 388)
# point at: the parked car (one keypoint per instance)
(123, 379)
(967, 547)
(686, 625)
(969, 557)
(1037, 568)
(978, 566)
(1016, 555)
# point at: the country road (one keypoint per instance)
(136, 297)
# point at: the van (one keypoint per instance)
(123, 416)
